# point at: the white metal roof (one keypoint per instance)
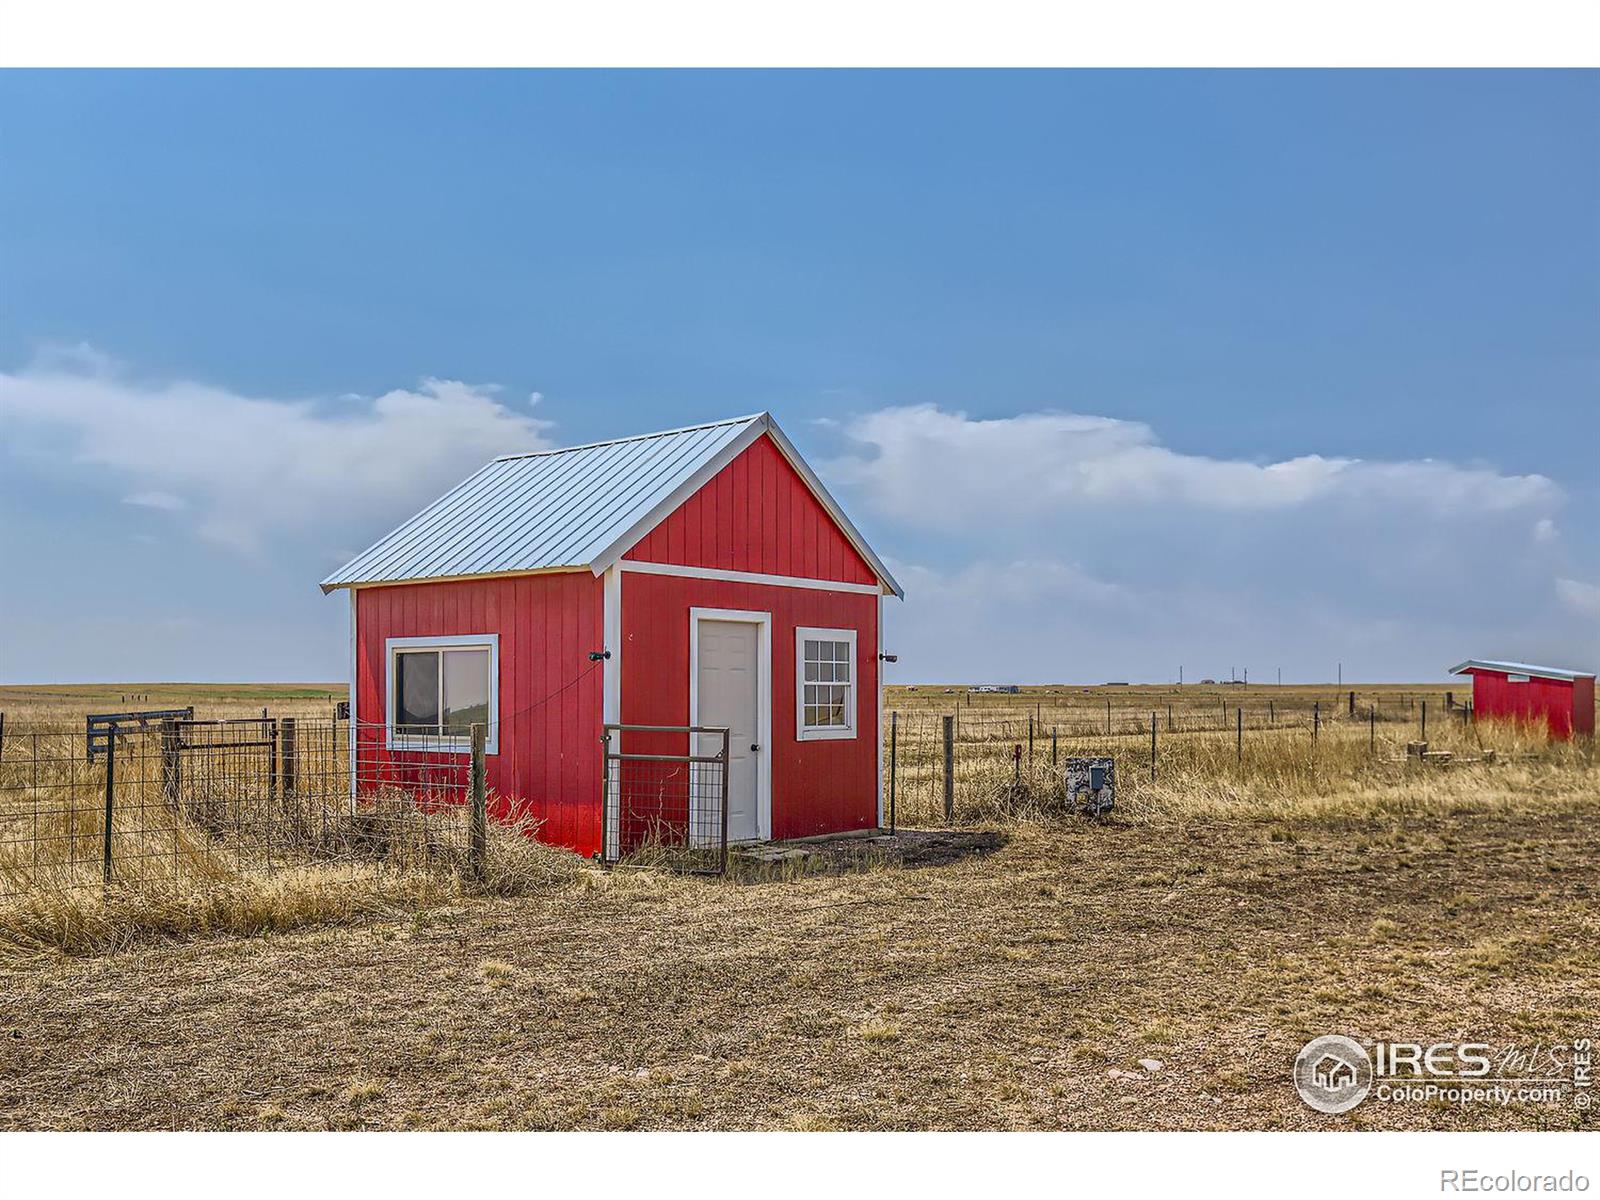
(1516, 668)
(585, 506)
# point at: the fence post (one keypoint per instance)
(111, 776)
(605, 798)
(478, 828)
(1030, 741)
(1052, 745)
(949, 770)
(289, 763)
(1424, 736)
(1352, 704)
(1153, 746)
(894, 745)
(722, 853)
(1272, 714)
(2, 735)
(1316, 718)
(1238, 733)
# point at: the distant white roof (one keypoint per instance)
(585, 506)
(1516, 668)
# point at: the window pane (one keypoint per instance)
(841, 667)
(416, 691)
(466, 690)
(813, 651)
(813, 670)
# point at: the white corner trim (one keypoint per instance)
(877, 729)
(794, 581)
(355, 715)
(442, 745)
(763, 622)
(611, 634)
(852, 709)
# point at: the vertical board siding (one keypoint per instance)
(1567, 706)
(817, 787)
(548, 765)
(756, 514)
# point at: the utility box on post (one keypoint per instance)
(1091, 785)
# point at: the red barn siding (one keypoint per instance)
(817, 787)
(756, 514)
(1567, 706)
(550, 693)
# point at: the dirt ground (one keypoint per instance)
(1011, 980)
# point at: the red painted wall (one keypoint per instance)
(756, 514)
(1568, 706)
(550, 693)
(817, 787)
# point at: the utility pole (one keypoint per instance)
(1280, 676)
(1247, 677)
(1341, 674)
(1180, 674)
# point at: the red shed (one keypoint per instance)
(1562, 699)
(701, 576)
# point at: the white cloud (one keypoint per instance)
(1062, 546)
(248, 466)
(927, 466)
(165, 501)
(1582, 598)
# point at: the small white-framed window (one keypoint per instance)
(439, 688)
(825, 683)
(1519, 679)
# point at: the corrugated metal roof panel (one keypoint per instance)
(1516, 668)
(554, 509)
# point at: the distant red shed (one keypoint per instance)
(701, 576)
(1562, 699)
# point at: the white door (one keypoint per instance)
(727, 683)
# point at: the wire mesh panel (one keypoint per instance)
(184, 801)
(665, 805)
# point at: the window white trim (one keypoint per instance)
(763, 623)
(444, 745)
(852, 707)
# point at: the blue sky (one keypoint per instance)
(1121, 370)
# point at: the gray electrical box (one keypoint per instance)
(1092, 785)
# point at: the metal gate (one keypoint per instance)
(664, 808)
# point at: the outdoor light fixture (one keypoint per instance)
(890, 657)
(597, 655)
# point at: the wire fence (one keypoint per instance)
(666, 797)
(192, 801)
(132, 799)
(972, 759)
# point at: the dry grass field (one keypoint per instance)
(1028, 969)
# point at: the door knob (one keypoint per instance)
(754, 747)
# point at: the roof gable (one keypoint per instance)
(756, 515)
(584, 506)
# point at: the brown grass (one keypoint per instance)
(1223, 916)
